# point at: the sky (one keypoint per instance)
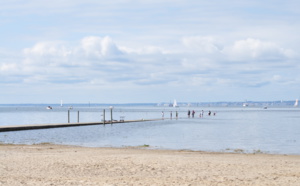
(149, 51)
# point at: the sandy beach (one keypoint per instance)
(47, 164)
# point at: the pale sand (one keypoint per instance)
(64, 165)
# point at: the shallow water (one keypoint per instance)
(272, 130)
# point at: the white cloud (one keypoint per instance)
(201, 44)
(91, 45)
(99, 47)
(255, 49)
(109, 48)
(91, 60)
(195, 63)
(59, 53)
(7, 67)
(46, 49)
(100, 60)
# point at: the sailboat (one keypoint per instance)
(245, 104)
(175, 103)
(296, 103)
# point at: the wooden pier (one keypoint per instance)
(60, 125)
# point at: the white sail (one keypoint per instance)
(175, 103)
(296, 103)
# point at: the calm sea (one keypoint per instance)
(232, 129)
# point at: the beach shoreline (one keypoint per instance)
(48, 164)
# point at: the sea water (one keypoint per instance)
(231, 129)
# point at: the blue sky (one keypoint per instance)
(133, 51)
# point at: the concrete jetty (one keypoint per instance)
(60, 125)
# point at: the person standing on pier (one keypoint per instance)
(171, 115)
(176, 115)
(193, 114)
(189, 113)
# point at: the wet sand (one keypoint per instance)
(68, 165)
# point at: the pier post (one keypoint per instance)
(111, 114)
(78, 116)
(68, 116)
(104, 116)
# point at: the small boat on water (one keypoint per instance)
(296, 103)
(175, 103)
(48, 107)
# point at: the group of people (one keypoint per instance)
(189, 113)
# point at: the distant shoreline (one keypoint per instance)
(286, 103)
